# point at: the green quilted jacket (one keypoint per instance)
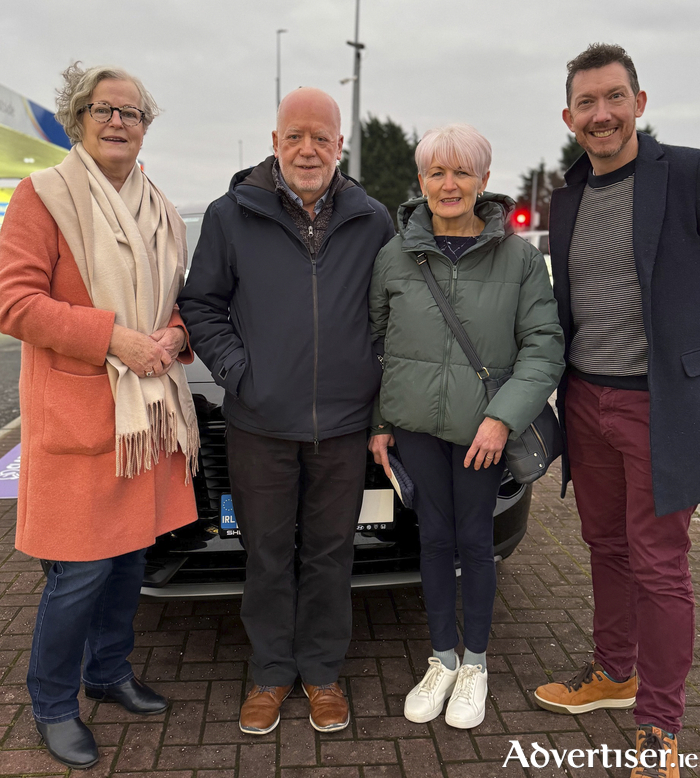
(501, 292)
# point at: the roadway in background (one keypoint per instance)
(9, 378)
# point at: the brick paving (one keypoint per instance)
(195, 653)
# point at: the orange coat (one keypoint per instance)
(72, 506)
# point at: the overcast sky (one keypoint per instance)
(210, 64)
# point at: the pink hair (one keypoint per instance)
(455, 146)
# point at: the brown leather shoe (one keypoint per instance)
(329, 708)
(589, 690)
(660, 754)
(260, 713)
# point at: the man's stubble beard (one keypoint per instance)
(604, 154)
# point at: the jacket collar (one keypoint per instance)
(255, 189)
(416, 226)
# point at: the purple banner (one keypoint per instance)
(9, 474)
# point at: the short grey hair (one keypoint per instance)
(78, 87)
(456, 146)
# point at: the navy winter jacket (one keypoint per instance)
(286, 333)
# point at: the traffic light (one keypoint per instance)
(521, 218)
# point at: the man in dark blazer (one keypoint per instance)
(625, 247)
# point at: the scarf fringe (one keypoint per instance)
(139, 451)
(192, 454)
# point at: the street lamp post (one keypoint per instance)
(279, 66)
(354, 165)
(534, 215)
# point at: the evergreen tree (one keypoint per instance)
(388, 171)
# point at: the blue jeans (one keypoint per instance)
(86, 608)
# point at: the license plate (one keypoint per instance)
(377, 513)
(228, 526)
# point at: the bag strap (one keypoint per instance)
(451, 317)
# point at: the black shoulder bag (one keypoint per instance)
(528, 456)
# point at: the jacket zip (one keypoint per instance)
(314, 290)
(540, 438)
(449, 337)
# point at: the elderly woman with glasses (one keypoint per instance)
(92, 257)
(432, 403)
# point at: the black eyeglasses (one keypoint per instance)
(102, 113)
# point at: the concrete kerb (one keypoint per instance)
(10, 427)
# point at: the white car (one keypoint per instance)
(540, 240)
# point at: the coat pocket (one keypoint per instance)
(78, 414)
(691, 363)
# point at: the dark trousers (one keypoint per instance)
(455, 508)
(297, 624)
(86, 608)
(644, 606)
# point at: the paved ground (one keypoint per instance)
(196, 654)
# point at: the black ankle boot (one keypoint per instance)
(70, 742)
(133, 695)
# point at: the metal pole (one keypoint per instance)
(240, 155)
(279, 67)
(534, 216)
(355, 166)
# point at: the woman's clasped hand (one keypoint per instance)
(147, 355)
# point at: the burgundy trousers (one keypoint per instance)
(644, 606)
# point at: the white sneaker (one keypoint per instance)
(425, 701)
(467, 705)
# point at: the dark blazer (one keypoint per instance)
(667, 254)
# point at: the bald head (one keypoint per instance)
(308, 101)
(307, 142)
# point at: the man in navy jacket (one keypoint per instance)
(625, 250)
(276, 307)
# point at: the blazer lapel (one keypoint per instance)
(650, 182)
(562, 220)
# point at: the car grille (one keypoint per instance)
(212, 480)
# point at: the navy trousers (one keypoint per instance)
(455, 508)
(87, 608)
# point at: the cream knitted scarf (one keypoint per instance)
(130, 249)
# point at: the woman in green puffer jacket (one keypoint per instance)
(432, 404)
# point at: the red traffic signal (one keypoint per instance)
(521, 218)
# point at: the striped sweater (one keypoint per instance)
(609, 344)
